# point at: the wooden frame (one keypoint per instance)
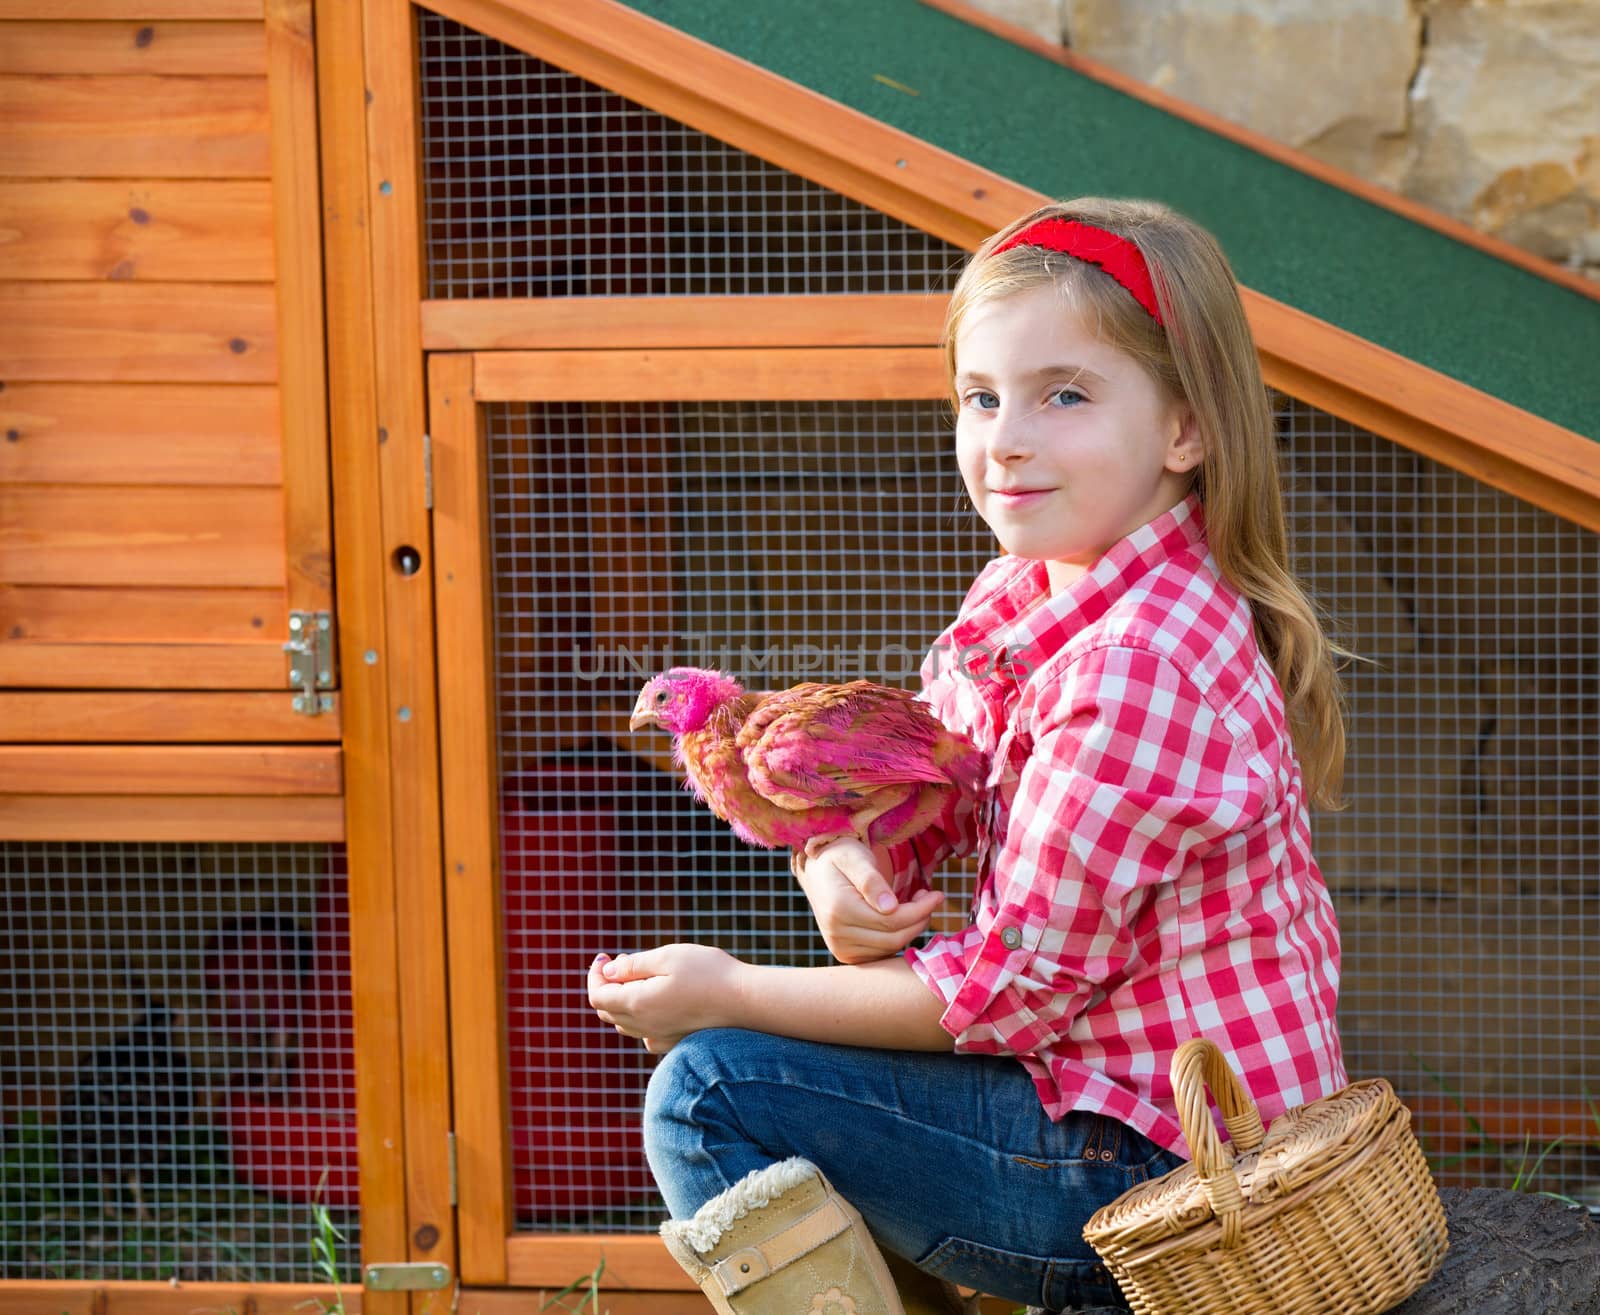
(576, 323)
(491, 1253)
(394, 191)
(1418, 408)
(470, 780)
(677, 75)
(729, 374)
(353, 426)
(366, 77)
(120, 1298)
(302, 364)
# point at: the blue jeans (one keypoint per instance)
(950, 1159)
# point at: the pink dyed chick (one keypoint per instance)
(799, 767)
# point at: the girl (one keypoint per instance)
(1160, 711)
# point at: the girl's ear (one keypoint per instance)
(1187, 450)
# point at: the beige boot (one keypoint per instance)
(922, 1293)
(780, 1241)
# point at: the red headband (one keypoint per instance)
(1116, 255)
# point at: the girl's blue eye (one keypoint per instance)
(1067, 397)
(983, 399)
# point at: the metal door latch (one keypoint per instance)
(412, 1276)
(310, 650)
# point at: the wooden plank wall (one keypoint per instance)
(151, 430)
(163, 435)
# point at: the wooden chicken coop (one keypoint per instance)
(386, 388)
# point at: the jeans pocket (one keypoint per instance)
(1056, 1285)
(1084, 1286)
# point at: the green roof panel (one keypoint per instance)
(1290, 236)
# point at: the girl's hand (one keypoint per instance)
(858, 915)
(663, 994)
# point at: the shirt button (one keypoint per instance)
(1011, 938)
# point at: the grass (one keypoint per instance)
(587, 1290)
(325, 1240)
(1514, 1162)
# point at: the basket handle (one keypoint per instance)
(1196, 1066)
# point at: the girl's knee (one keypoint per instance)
(667, 1078)
(714, 1060)
(681, 1075)
(677, 1112)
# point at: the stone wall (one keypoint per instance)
(1488, 110)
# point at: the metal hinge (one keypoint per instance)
(427, 471)
(450, 1140)
(310, 650)
(412, 1276)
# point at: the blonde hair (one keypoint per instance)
(1206, 357)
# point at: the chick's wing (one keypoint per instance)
(833, 745)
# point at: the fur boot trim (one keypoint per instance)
(704, 1229)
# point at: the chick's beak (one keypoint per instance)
(642, 716)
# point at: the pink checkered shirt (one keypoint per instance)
(1146, 872)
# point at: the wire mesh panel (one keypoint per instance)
(541, 184)
(780, 541)
(177, 1061)
(792, 541)
(1466, 868)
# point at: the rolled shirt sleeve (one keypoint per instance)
(1127, 792)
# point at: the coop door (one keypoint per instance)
(164, 474)
(584, 540)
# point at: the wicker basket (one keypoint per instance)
(1332, 1212)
